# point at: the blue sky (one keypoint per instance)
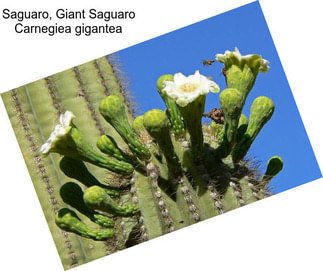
(184, 50)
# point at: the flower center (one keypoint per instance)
(189, 87)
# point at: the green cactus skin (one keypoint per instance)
(113, 110)
(172, 111)
(97, 198)
(72, 194)
(68, 220)
(231, 101)
(170, 183)
(261, 111)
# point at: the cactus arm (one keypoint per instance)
(113, 110)
(261, 111)
(96, 198)
(172, 111)
(68, 220)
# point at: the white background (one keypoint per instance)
(283, 232)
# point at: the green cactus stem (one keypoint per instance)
(157, 125)
(97, 198)
(113, 110)
(231, 101)
(67, 220)
(172, 111)
(261, 111)
(72, 194)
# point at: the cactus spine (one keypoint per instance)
(109, 181)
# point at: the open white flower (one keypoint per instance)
(185, 90)
(59, 132)
(235, 58)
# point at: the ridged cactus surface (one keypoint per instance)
(107, 180)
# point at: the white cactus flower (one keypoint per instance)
(234, 57)
(59, 131)
(185, 90)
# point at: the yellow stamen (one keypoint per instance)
(188, 87)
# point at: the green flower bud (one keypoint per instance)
(274, 166)
(261, 111)
(68, 221)
(96, 198)
(138, 125)
(157, 125)
(109, 146)
(155, 121)
(231, 101)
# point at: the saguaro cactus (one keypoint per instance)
(107, 180)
